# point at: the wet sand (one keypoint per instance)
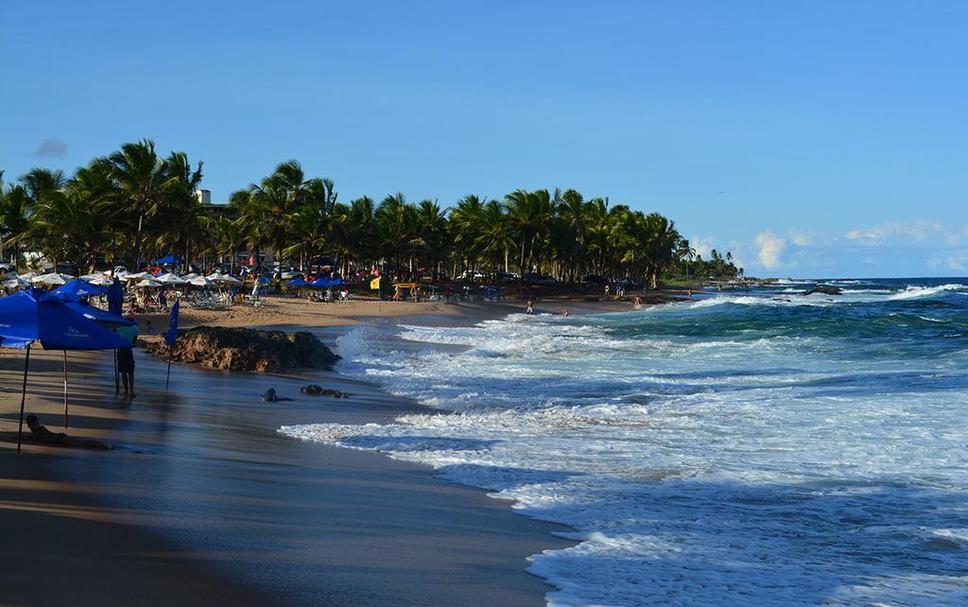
(202, 502)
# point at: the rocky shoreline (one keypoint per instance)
(242, 349)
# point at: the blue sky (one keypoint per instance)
(812, 138)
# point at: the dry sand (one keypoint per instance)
(202, 503)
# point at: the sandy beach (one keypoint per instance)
(202, 502)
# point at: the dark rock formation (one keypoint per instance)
(826, 290)
(240, 349)
(317, 390)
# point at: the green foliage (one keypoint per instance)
(136, 204)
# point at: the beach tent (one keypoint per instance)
(169, 260)
(76, 289)
(33, 316)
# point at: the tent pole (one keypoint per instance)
(65, 388)
(23, 397)
(117, 383)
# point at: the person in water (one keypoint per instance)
(564, 312)
(530, 308)
(42, 434)
(637, 302)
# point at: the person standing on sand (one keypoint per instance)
(126, 356)
(607, 290)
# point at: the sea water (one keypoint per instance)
(746, 448)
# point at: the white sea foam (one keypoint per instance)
(916, 291)
(745, 468)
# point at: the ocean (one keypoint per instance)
(746, 448)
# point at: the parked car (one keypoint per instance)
(471, 275)
(541, 279)
(500, 276)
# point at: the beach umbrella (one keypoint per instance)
(264, 280)
(15, 283)
(189, 277)
(148, 283)
(169, 260)
(76, 289)
(227, 279)
(171, 279)
(136, 276)
(51, 280)
(201, 281)
(99, 279)
(321, 283)
(33, 316)
(299, 281)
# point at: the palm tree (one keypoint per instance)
(494, 234)
(530, 215)
(142, 180)
(16, 209)
(432, 236)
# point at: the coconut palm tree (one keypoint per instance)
(142, 179)
(16, 210)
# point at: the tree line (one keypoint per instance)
(135, 204)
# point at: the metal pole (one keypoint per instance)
(23, 398)
(117, 381)
(168, 373)
(65, 388)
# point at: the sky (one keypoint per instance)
(810, 138)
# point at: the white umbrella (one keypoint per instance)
(189, 277)
(136, 276)
(149, 283)
(99, 279)
(171, 279)
(227, 279)
(201, 281)
(53, 279)
(15, 283)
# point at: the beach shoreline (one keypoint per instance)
(51, 493)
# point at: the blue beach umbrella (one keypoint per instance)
(77, 289)
(299, 281)
(321, 283)
(30, 317)
(169, 260)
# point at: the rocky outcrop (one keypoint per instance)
(826, 290)
(239, 349)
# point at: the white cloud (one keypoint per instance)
(801, 239)
(770, 248)
(703, 246)
(895, 231)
